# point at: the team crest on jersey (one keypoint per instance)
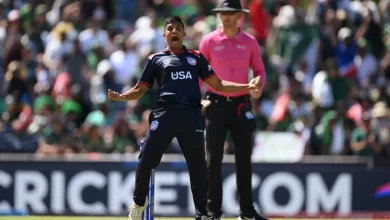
(153, 125)
(166, 62)
(191, 61)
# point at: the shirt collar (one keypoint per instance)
(238, 35)
(167, 50)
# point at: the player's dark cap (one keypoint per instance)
(230, 6)
(173, 19)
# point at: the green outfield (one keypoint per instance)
(117, 218)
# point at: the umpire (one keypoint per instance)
(231, 51)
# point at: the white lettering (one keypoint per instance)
(229, 201)
(57, 195)
(181, 75)
(185, 181)
(5, 182)
(166, 195)
(31, 188)
(318, 195)
(31, 193)
(188, 76)
(288, 181)
(76, 186)
(230, 204)
(174, 76)
(120, 191)
(255, 183)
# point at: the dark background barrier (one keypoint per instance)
(105, 188)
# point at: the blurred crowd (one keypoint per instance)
(327, 63)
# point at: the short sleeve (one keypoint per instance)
(204, 48)
(148, 74)
(205, 69)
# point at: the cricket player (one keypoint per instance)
(176, 71)
(231, 52)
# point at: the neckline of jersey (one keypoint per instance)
(167, 50)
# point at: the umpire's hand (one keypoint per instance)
(205, 104)
(256, 93)
(255, 83)
(112, 95)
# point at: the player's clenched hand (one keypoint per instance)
(255, 83)
(112, 95)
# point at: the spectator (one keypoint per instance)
(91, 140)
(55, 138)
(94, 36)
(75, 63)
(15, 80)
(125, 62)
(381, 124)
(364, 140)
(259, 20)
(327, 64)
(334, 131)
(121, 138)
(339, 86)
(15, 138)
(59, 45)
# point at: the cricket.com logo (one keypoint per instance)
(110, 192)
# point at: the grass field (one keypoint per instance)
(118, 218)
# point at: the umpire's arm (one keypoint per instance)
(207, 75)
(227, 86)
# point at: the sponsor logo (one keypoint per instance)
(166, 62)
(218, 48)
(241, 47)
(107, 192)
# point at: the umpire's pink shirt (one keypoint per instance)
(231, 58)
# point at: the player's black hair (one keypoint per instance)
(173, 19)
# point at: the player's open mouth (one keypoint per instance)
(175, 39)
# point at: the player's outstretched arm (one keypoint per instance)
(230, 87)
(134, 93)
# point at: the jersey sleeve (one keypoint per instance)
(148, 74)
(206, 71)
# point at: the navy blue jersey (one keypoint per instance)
(177, 77)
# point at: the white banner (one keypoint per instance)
(278, 147)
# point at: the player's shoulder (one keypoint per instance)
(246, 36)
(194, 52)
(156, 55)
